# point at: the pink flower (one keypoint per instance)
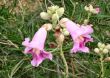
(97, 10)
(80, 35)
(36, 47)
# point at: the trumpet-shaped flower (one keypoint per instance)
(80, 35)
(36, 47)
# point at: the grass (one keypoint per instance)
(18, 21)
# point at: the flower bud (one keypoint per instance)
(60, 11)
(99, 44)
(53, 8)
(61, 38)
(86, 8)
(55, 17)
(102, 46)
(44, 16)
(108, 46)
(62, 21)
(96, 50)
(86, 21)
(49, 13)
(91, 8)
(96, 11)
(107, 59)
(101, 49)
(65, 32)
(105, 51)
(48, 26)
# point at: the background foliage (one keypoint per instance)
(20, 19)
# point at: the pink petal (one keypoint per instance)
(26, 42)
(46, 55)
(97, 10)
(39, 38)
(72, 29)
(86, 29)
(75, 48)
(36, 61)
(27, 50)
(84, 49)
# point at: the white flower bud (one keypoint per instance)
(49, 13)
(65, 32)
(44, 16)
(108, 46)
(91, 8)
(102, 46)
(86, 8)
(86, 21)
(55, 17)
(105, 51)
(94, 11)
(99, 44)
(96, 50)
(60, 11)
(53, 8)
(101, 49)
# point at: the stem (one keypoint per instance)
(73, 68)
(64, 60)
(89, 14)
(102, 66)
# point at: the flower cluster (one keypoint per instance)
(53, 13)
(102, 48)
(80, 34)
(91, 9)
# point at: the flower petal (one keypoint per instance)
(26, 42)
(46, 55)
(39, 38)
(37, 60)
